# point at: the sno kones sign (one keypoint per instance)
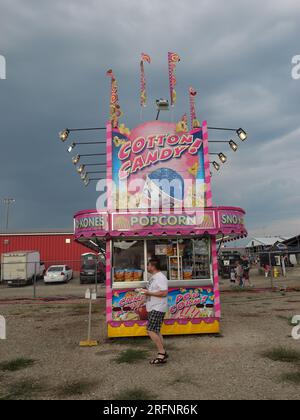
(156, 163)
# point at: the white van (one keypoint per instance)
(19, 268)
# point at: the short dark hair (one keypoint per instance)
(155, 263)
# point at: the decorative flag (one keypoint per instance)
(182, 125)
(115, 110)
(173, 59)
(144, 58)
(194, 122)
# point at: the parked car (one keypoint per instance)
(88, 273)
(58, 274)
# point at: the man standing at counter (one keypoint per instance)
(157, 306)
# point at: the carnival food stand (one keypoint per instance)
(159, 204)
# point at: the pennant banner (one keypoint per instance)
(173, 59)
(144, 58)
(115, 110)
(194, 122)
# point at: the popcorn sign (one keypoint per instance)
(190, 303)
(129, 306)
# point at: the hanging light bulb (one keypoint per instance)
(242, 134)
(80, 169)
(76, 159)
(216, 166)
(63, 135)
(233, 145)
(70, 148)
(222, 157)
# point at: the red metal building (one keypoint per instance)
(54, 248)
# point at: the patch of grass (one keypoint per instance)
(282, 354)
(16, 364)
(73, 388)
(131, 356)
(181, 379)
(293, 377)
(140, 394)
(23, 390)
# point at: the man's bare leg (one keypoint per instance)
(157, 340)
(162, 340)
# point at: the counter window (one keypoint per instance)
(181, 260)
(195, 258)
(128, 261)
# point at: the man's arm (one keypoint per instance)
(161, 293)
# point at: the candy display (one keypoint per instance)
(128, 275)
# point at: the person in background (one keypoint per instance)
(157, 306)
(232, 275)
(267, 270)
(240, 274)
(246, 268)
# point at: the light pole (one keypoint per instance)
(7, 202)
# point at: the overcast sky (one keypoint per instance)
(236, 53)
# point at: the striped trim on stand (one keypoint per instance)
(108, 282)
(110, 203)
(216, 279)
(206, 165)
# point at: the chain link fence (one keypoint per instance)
(70, 279)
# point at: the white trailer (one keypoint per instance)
(18, 268)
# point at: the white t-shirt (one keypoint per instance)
(157, 283)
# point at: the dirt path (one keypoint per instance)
(200, 367)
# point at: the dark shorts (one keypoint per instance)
(155, 320)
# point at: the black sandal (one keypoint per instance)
(159, 360)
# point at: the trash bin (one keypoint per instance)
(276, 272)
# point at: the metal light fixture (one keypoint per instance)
(216, 165)
(83, 176)
(233, 145)
(63, 135)
(242, 134)
(86, 181)
(76, 159)
(222, 157)
(162, 104)
(80, 169)
(70, 148)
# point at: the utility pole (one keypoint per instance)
(7, 202)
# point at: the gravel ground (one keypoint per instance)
(229, 366)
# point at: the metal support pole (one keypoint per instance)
(90, 319)
(96, 273)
